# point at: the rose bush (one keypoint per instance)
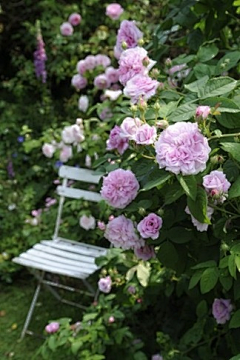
(169, 148)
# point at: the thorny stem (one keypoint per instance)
(224, 135)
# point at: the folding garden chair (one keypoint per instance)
(59, 255)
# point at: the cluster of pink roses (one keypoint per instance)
(131, 129)
(134, 64)
(71, 136)
(66, 28)
(119, 188)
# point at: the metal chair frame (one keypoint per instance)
(63, 256)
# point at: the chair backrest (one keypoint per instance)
(65, 191)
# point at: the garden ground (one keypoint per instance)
(14, 304)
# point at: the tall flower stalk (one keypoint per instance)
(40, 56)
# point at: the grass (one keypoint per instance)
(15, 300)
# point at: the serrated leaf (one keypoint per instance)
(234, 189)
(207, 52)
(233, 149)
(205, 264)
(208, 280)
(172, 193)
(160, 178)
(195, 279)
(226, 282)
(235, 320)
(168, 255)
(227, 62)
(232, 266)
(179, 235)
(195, 86)
(189, 185)
(217, 87)
(183, 113)
(198, 207)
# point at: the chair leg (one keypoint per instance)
(30, 312)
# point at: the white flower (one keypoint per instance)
(113, 94)
(87, 222)
(83, 103)
(48, 150)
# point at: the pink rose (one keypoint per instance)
(52, 327)
(112, 74)
(145, 253)
(129, 34)
(121, 233)
(87, 222)
(66, 29)
(111, 319)
(145, 135)
(102, 60)
(117, 141)
(105, 284)
(48, 150)
(200, 226)
(101, 81)
(81, 67)
(221, 310)
(114, 11)
(120, 187)
(140, 86)
(149, 227)
(90, 62)
(202, 112)
(131, 63)
(181, 148)
(130, 126)
(79, 82)
(216, 185)
(75, 19)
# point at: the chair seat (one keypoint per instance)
(62, 256)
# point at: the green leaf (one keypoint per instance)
(231, 171)
(130, 273)
(52, 343)
(195, 279)
(237, 357)
(236, 290)
(232, 266)
(183, 113)
(160, 178)
(172, 193)
(179, 235)
(233, 149)
(208, 279)
(200, 70)
(207, 52)
(91, 316)
(235, 320)
(168, 255)
(217, 86)
(226, 281)
(202, 309)
(234, 189)
(143, 273)
(227, 62)
(198, 207)
(189, 185)
(205, 264)
(76, 345)
(237, 262)
(197, 85)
